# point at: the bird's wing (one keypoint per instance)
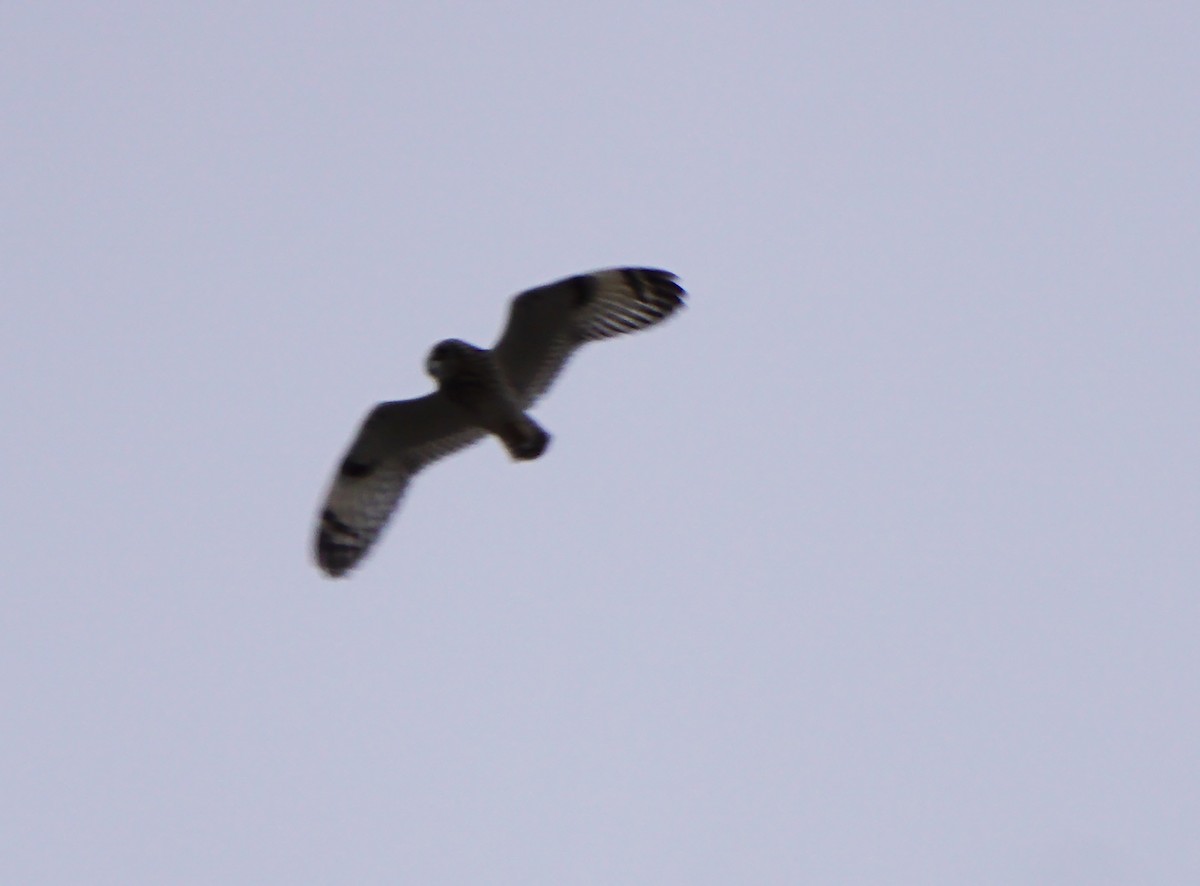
(395, 441)
(545, 325)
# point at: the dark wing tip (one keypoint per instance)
(650, 286)
(339, 547)
(655, 287)
(335, 559)
(626, 300)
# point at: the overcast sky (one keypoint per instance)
(877, 564)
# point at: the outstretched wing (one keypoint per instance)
(395, 441)
(546, 325)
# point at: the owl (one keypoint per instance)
(481, 392)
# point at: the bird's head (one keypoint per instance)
(445, 358)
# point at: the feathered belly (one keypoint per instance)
(484, 396)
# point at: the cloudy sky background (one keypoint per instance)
(878, 564)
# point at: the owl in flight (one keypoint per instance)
(481, 392)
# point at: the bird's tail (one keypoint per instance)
(524, 438)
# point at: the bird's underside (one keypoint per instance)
(481, 392)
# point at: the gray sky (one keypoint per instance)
(877, 565)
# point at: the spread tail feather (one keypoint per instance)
(524, 438)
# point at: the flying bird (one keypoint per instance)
(481, 392)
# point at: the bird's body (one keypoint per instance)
(472, 379)
(481, 392)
